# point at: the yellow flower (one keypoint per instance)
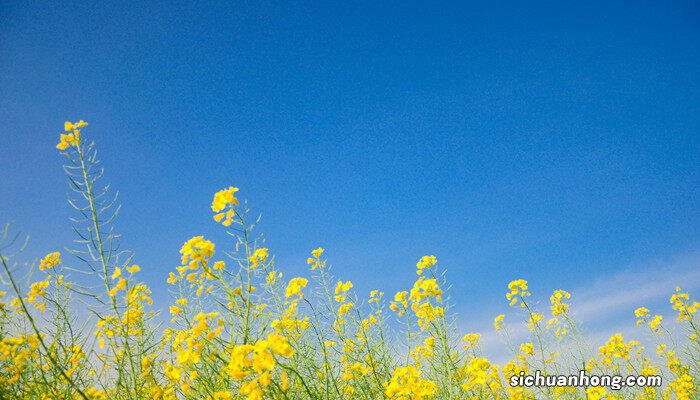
(425, 288)
(51, 260)
(681, 303)
(375, 296)
(294, 287)
(133, 269)
(559, 329)
(425, 262)
(615, 347)
(518, 290)
(407, 383)
(280, 345)
(172, 278)
(68, 126)
(37, 289)
(222, 199)
(498, 322)
(272, 277)
(195, 252)
(684, 387)
(534, 321)
(344, 309)
(641, 312)
(655, 322)
(399, 300)
(527, 349)
(173, 373)
(254, 363)
(476, 373)
(314, 261)
(284, 385)
(222, 395)
(259, 256)
(558, 306)
(341, 290)
(472, 339)
(121, 285)
(595, 393)
(72, 138)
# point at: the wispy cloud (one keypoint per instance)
(605, 305)
(635, 287)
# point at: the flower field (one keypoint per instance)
(238, 329)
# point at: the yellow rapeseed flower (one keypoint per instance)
(558, 306)
(294, 287)
(222, 199)
(681, 302)
(498, 322)
(406, 382)
(518, 291)
(471, 340)
(51, 260)
(259, 256)
(72, 138)
(424, 263)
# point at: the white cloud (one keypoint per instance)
(605, 306)
(635, 287)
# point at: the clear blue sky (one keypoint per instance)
(541, 140)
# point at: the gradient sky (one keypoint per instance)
(540, 140)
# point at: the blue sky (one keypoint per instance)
(544, 141)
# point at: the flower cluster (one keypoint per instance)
(315, 261)
(424, 296)
(223, 199)
(253, 365)
(424, 263)
(681, 302)
(518, 292)
(72, 137)
(407, 383)
(50, 261)
(259, 257)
